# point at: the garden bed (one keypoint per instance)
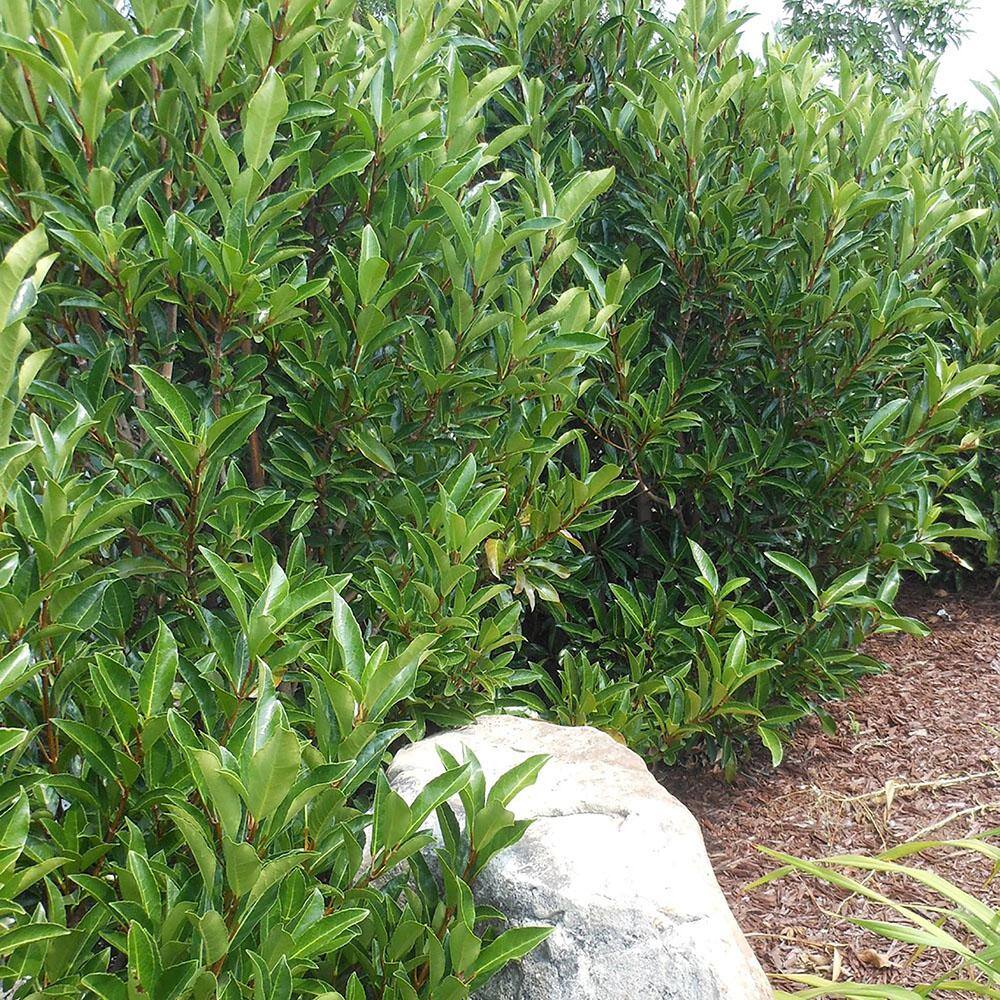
(916, 755)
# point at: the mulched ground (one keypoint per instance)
(916, 755)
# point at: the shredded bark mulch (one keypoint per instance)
(916, 756)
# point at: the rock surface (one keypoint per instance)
(612, 861)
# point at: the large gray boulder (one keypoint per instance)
(612, 862)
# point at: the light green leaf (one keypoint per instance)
(169, 397)
(242, 866)
(352, 161)
(792, 565)
(230, 586)
(328, 933)
(705, 565)
(139, 50)
(373, 450)
(158, 672)
(772, 741)
(272, 772)
(197, 841)
(265, 112)
(28, 934)
(345, 630)
(845, 584)
(581, 192)
(509, 946)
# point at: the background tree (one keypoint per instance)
(880, 33)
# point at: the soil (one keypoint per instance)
(916, 756)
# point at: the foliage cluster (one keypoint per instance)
(174, 824)
(362, 374)
(801, 378)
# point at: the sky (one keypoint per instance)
(976, 58)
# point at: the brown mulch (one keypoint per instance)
(933, 717)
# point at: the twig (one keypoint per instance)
(970, 811)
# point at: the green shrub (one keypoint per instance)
(971, 301)
(800, 380)
(172, 827)
(394, 369)
(951, 923)
(200, 445)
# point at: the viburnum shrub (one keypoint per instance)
(971, 299)
(195, 804)
(801, 378)
(365, 371)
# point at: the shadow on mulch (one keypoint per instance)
(916, 756)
